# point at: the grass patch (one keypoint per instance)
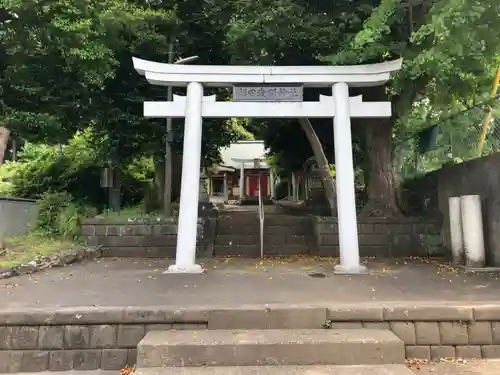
(19, 250)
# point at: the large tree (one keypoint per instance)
(449, 49)
(450, 53)
(68, 66)
(290, 32)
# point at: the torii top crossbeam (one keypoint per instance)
(225, 76)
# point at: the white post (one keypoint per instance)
(185, 257)
(242, 181)
(346, 201)
(456, 239)
(472, 224)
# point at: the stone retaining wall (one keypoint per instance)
(82, 339)
(93, 338)
(143, 237)
(431, 332)
(383, 237)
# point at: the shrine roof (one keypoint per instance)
(246, 151)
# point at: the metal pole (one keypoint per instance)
(167, 192)
(261, 217)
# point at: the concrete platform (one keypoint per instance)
(235, 282)
(281, 370)
(437, 310)
(269, 347)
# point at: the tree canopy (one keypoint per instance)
(65, 66)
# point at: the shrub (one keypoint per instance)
(77, 171)
(59, 215)
(49, 207)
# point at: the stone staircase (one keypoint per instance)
(238, 234)
(240, 345)
(272, 351)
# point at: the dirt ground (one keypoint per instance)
(236, 282)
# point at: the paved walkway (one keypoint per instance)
(237, 282)
(473, 367)
(470, 367)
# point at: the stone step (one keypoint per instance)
(271, 219)
(268, 229)
(269, 347)
(280, 370)
(254, 239)
(253, 251)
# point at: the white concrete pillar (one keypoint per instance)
(472, 226)
(185, 257)
(456, 239)
(346, 200)
(294, 187)
(242, 181)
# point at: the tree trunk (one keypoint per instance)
(160, 180)
(4, 140)
(322, 162)
(381, 187)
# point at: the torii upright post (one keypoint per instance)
(185, 258)
(344, 175)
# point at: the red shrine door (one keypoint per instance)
(253, 185)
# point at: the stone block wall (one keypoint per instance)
(383, 237)
(85, 340)
(430, 332)
(143, 237)
(479, 176)
(107, 338)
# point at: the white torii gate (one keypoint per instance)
(194, 106)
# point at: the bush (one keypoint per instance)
(59, 215)
(70, 219)
(77, 171)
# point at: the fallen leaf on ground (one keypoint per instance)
(415, 363)
(127, 371)
(9, 285)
